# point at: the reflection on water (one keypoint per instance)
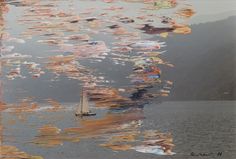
(62, 41)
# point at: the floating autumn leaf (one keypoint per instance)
(149, 141)
(23, 106)
(108, 97)
(162, 4)
(3, 106)
(151, 133)
(108, 1)
(164, 35)
(66, 65)
(82, 37)
(123, 138)
(34, 69)
(182, 29)
(48, 136)
(51, 136)
(11, 152)
(55, 105)
(49, 130)
(186, 12)
(122, 31)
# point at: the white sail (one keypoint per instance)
(79, 108)
(83, 106)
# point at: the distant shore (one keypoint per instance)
(204, 62)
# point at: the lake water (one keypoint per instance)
(159, 75)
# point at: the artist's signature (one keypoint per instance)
(202, 154)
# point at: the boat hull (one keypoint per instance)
(85, 114)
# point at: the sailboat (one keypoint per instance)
(83, 107)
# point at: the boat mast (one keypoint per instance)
(85, 103)
(81, 101)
